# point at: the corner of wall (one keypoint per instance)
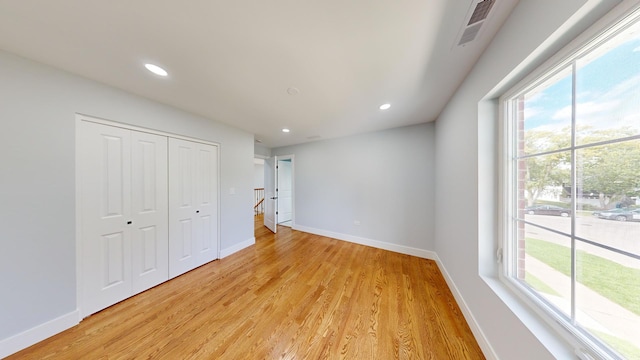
(407, 250)
(237, 247)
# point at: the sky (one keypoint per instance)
(607, 89)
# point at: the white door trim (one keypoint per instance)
(97, 120)
(271, 193)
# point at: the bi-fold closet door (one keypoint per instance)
(124, 213)
(148, 211)
(193, 198)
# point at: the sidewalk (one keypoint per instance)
(593, 311)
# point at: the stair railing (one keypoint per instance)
(258, 200)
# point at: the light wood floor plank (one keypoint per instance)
(291, 296)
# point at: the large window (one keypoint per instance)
(572, 239)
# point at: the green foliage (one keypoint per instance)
(612, 169)
(546, 170)
(590, 135)
(616, 282)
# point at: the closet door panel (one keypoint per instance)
(207, 203)
(193, 204)
(185, 240)
(150, 240)
(183, 227)
(105, 198)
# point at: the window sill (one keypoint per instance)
(551, 335)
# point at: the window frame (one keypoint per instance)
(586, 345)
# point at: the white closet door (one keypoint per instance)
(106, 212)
(150, 238)
(182, 207)
(207, 203)
(193, 234)
(124, 213)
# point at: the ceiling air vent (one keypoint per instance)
(469, 34)
(476, 19)
(481, 11)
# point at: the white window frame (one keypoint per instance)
(587, 346)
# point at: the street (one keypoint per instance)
(617, 234)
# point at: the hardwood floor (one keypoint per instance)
(291, 296)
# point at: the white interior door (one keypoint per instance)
(207, 203)
(106, 215)
(124, 213)
(193, 205)
(182, 206)
(149, 210)
(271, 193)
(285, 190)
(150, 238)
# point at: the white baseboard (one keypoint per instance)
(36, 334)
(407, 250)
(484, 344)
(237, 247)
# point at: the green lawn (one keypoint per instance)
(539, 285)
(616, 282)
(627, 349)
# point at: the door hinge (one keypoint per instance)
(499, 255)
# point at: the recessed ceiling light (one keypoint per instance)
(156, 69)
(385, 106)
(285, 130)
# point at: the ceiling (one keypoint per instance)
(234, 61)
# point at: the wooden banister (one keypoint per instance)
(258, 196)
(258, 204)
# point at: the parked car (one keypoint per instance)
(547, 210)
(620, 214)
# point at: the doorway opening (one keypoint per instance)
(279, 192)
(285, 192)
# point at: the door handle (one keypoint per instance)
(273, 198)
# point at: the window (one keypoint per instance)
(572, 192)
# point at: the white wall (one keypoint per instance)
(261, 151)
(384, 180)
(466, 174)
(258, 175)
(37, 194)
